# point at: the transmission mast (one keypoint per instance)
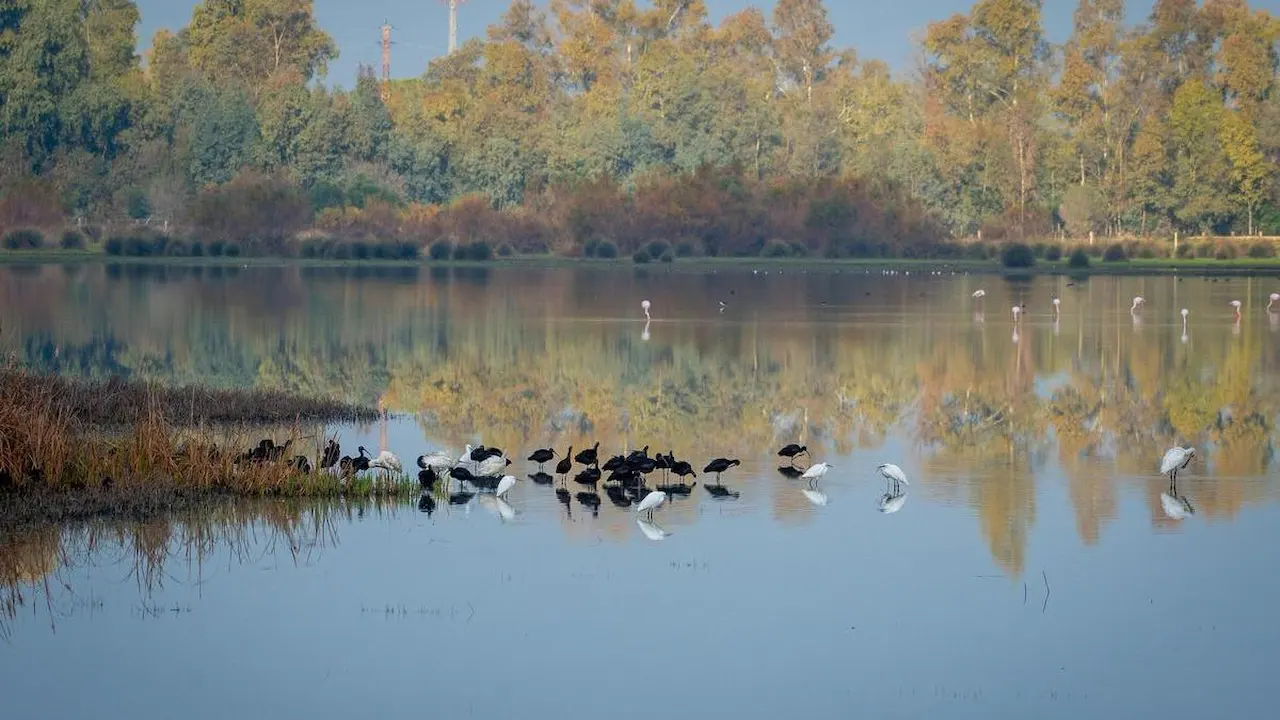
(453, 24)
(385, 85)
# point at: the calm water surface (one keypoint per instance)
(1033, 568)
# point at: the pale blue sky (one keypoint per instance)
(875, 29)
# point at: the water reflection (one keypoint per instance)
(458, 354)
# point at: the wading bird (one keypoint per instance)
(504, 485)
(542, 456)
(1175, 459)
(651, 502)
(644, 305)
(1272, 300)
(792, 451)
(892, 472)
(1235, 304)
(720, 465)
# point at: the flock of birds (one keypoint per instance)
(480, 473)
(1135, 309)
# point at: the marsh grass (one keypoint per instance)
(74, 450)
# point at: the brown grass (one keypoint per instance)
(71, 449)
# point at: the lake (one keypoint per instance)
(1032, 565)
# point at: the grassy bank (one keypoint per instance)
(74, 448)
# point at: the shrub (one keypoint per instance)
(1262, 250)
(1115, 253)
(231, 249)
(136, 246)
(481, 251)
(589, 250)
(775, 249)
(667, 257)
(340, 251)
(359, 250)
(1204, 250)
(1147, 252)
(25, 239)
(685, 248)
(197, 249)
(217, 248)
(176, 248)
(1053, 253)
(1039, 249)
(72, 240)
(799, 249)
(441, 250)
(641, 257)
(657, 249)
(1079, 259)
(1225, 251)
(1017, 255)
(1185, 251)
(505, 250)
(115, 246)
(607, 250)
(408, 251)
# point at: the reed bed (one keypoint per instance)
(71, 449)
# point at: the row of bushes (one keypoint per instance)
(31, 239)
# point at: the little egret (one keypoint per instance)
(816, 471)
(1017, 312)
(892, 472)
(504, 485)
(654, 500)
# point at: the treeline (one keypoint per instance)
(603, 125)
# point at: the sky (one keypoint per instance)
(881, 30)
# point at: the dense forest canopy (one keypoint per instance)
(753, 129)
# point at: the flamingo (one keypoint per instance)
(644, 305)
(1057, 307)
(1235, 304)
(1137, 303)
(1017, 312)
(1272, 300)
(1184, 325)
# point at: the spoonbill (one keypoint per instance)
(1272, 300)
(892, 472)
(387, 461)
(437, 461)
(1235, 304)
(1175, 459)
(654, 500)
(644, 305)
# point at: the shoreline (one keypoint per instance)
(1155, 266)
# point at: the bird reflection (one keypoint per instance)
(892, 501)
(497, 506)
(1273, 320)
(427, 504)
(618, 495)
(979, 318)
(644, 334)
(651, 530)
(1176, 507)
(721, 492)
(590, 500)
(462, 497)
(541, 478)
(815, 496)
(790, 471)
(563, 496)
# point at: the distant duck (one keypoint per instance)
(588, 456)
(792, 450)
(720, 465)
(542, 456)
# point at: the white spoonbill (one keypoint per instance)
(387, 461)
(644, 305)
(1235, 304)
(651, 502)
(437, 461)
(889, 471)
(1175, 459)
(1272, 300)
(505, 484)
(491, 465)
(1138, 302)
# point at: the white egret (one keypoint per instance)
(505, 484)
(1235, 304)
(815, 471)
(892, 502)
(892, 472)
(644, 305)
(1272, 300)
(1175, 459)
(651, 502)
(817, 497)
(1176, 507)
